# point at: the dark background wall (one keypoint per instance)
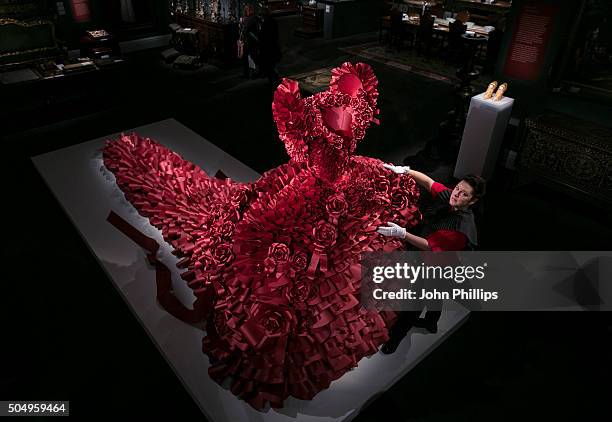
(546, 91)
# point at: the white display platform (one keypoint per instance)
(483, 135)
(87, 192)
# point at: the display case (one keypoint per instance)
(216, 22)
(217, 11)
(348, 17)
(99, 44)
(312, 22)
(216, 39)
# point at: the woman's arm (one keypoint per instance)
(421, 178)
(416, 241)
(393, 230)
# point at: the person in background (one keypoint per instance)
(248, 40)
(448, 226)
(269, 48)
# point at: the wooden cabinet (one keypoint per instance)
(312, 18)
(572, 154)
(216, 40)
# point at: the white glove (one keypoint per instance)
(392, 230)
(397, 169)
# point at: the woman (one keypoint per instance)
(448, 226)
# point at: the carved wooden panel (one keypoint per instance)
(569, 152)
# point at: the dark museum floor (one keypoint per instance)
(68, 335)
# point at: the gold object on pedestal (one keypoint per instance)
(490, 89)
(500, 91)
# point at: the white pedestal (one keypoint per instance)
(87, 191)
(482, 136)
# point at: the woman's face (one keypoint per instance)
(462, 196)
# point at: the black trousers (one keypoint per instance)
(405, 321)
(408, 319)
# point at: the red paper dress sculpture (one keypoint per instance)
(274, 264)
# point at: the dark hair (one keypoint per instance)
(477, 183)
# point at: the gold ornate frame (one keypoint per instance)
(30, 24)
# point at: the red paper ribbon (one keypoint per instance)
(163, 278)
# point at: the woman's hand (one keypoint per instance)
(421, 178)
(397, 169)
(392, 230)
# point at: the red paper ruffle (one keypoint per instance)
(279, 257)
